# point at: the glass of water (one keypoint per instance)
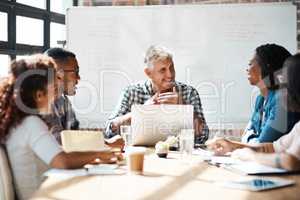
(126, 134)
(186, 141)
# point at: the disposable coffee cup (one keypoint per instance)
(135, 159)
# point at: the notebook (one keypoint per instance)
(78, 141)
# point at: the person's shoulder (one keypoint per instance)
(274, 97)
(259, 99)
(275, 94)
(139, 86)
(33, 121)
(59, 99)
(297, 126)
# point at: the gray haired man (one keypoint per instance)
(160, 88)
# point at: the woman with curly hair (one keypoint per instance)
(25, 95)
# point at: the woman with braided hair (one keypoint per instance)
(270, 119)
(25, 95)
(282, 153)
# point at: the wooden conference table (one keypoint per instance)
(172, 178)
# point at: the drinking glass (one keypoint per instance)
(126, 134)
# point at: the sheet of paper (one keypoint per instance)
(65, 173)
(209, 156)
(227, 160)
(78, 140)
(253, 168)
(102, 169)
(204, 154)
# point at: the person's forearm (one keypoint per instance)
(263, 148)
(238, 145)
(121, 120)
(74, 159)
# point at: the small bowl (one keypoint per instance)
(162, 155)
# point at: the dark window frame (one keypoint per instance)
(14, 9)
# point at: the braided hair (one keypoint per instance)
(270, 58)
(18, 90)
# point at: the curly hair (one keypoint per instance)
(18, 90)
(270, 58)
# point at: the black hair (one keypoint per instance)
(293, 82)
(59, 54)
(270, 58)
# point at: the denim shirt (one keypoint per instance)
(270, 119)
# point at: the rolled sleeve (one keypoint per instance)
(198, 112)
(43, 144)
(123, 107)
(46, 147)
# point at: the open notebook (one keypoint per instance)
(83, 141)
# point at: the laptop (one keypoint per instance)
(153, 123)
(80, 141)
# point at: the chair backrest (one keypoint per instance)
(6, 181)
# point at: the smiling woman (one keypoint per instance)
(284, 152)
(270, 119)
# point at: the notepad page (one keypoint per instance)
(82, 141)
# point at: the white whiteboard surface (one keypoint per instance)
(212, 46)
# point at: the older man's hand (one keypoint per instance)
(152, 100)
(169, 97)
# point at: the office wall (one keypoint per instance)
(158, 2)
(229, 33)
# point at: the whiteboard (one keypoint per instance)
(212, 46)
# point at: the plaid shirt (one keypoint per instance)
(141, 92)
(62, 118)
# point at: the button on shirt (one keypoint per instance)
(141, 92)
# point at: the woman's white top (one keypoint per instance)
(31, 148)
(289, 143)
